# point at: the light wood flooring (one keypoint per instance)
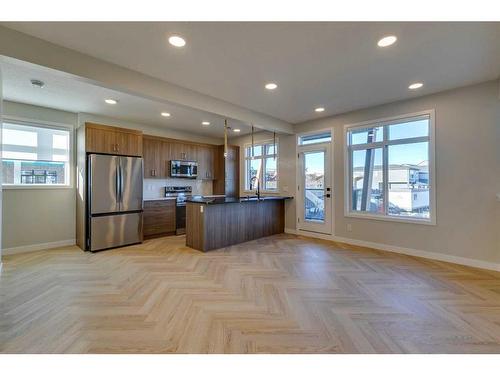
(280, 294)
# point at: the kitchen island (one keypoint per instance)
(212, 223)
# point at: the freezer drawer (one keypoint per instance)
(115, 230)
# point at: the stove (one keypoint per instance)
(180, 193)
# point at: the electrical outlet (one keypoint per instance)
(349, 227)
(285, 188)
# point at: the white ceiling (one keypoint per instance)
(335, 65)
(68, 93)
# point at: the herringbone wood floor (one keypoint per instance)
(281, 294)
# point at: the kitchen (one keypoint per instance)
(137, 187)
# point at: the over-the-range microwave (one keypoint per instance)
(183, 169)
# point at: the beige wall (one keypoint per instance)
(37, 216)
(286, 167)
(467, 175)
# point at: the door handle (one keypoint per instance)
(121, 184)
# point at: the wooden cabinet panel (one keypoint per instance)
(167, 154)
(128, 144)
(159, 218)
(100, 140)
(205, 157)
(227, 172)
(158, 152)
(152, 157)
(112, 140)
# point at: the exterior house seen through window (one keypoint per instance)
(35, 155)
(261, 165)
(389, 166)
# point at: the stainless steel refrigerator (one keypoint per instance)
(114, 201)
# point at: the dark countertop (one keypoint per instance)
(226, 200)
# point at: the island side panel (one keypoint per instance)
(233, 223)
(195, 234)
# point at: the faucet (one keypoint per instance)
(258, 185)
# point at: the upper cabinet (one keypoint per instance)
(152, 157)
(159, 151)
(206, 160)
(227, 171)
(112, 140)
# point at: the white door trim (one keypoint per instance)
(298, 176)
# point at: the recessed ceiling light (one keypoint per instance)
(165, 114)
(205, 123)
(271, 86)
(37, 83)
(387, 41)
(177, 41)
(111, 101)
(415, 85)
(319, 109)
(236, 130)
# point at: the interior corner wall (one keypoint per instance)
(36, 218)
(467, 126)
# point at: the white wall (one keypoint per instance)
(38, 216)
(467, 175)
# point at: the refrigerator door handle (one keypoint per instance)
(121, 185)
(118, 187)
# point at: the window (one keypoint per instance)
(35, 155)
(261, 164)
(389, 166)
(315, 138)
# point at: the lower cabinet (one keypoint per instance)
(159, 218)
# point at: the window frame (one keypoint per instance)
(47, 125)
(262, 157)
(348, 212)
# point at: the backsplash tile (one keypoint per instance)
(154, 188)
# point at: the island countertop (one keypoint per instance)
(226, 200)
(213, 223)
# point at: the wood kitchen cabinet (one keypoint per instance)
(159, 151)
(206, 159)
(152, 148)
(183, 151)
(112, 140)
(159, 218)
(227, 171)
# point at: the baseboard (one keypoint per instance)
(36, 247)
(402, 250)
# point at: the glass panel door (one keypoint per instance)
(314, 186)
(315, 193)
